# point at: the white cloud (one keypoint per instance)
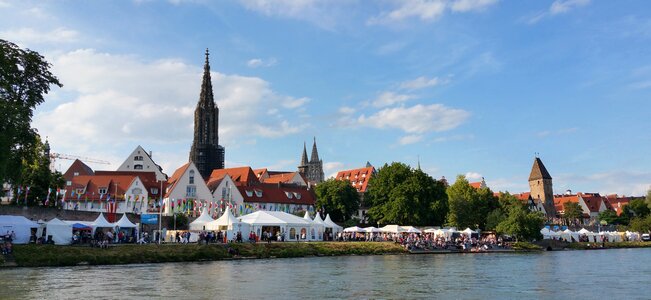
(630, 183)
(422, 82)
(390, 98)
(459, 137)
(416, 119)
(410, 139)
(427, 10)
(472, 176)
(258, 62)
(471, 5)
(112, 100)
(332, 168)
(323, 13)
(346, 110)
(563, 6)
(30, 36)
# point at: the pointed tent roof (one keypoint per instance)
(124, 222)
(304, 156)
(315, 154)
(331, 224)
(101, 222)
(538, 171)
(272, 218)
(201, 221)
(307, 216)
(318, 220)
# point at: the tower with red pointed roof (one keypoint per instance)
(206, 153)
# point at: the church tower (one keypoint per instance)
(312, 170)
(206, 153)
(540, 183)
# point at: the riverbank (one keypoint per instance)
(617, 245)
(49, 255)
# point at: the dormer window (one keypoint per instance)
(258, 193)
(297, 195)
(249, 193)
(289, 195)
(154, 191)
(102, 190)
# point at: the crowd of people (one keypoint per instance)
(6, 247)
(430, 241)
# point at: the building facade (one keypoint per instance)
(311, 170)
(141, 161)
(206, 153)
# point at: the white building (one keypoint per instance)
(187, 192)
(141, 161)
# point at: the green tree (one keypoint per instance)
(610, 216)
(24, 78)
(494, 218)
(522, 224)
(572, 211)
(37, 176)
(642, 225)
(398, 194)
(338, 198)
(469, 207)
(639, 208)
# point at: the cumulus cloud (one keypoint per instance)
(390, 98)
(422, 82)
(31, 36)
(472, 176)
(332, 168)
(110, 100)
(323, 13)
(416, 119)
(622, 182)
(258, 62)
(471, 5)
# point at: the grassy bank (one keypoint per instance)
(526, 246)
(49, 255)
(586, 246)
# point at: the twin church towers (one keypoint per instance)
(207, 154)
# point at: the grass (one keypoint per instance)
(526, 246)
(50, 255)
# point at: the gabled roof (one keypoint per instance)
(593, 201)
(560, 200)
(273, 193)
(279, 177)
(174, 179)
(259, 172)
(617, 203)
(114, 184)
(358, 177)
(148, 178)
(243, 175)
(538, 171)
(77, 167)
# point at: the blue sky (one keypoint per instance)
(471, 87)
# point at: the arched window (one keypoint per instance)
(292, 233)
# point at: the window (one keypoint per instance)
(289, 195)
(102, 190)
(258, 193)
(191, 191)
(154, 191)
(137, 167)
(75, 174)
(249, 193)
(297, 195)
(68, 183)
(136, 191)
(137, 157)
(191, 176)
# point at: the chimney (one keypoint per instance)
(568, 192)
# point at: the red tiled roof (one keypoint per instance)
(259, 172)
(273, 193)
(114, 184)
(243, 175)
(77, 167)
(593, 201)
(147, 178)
(560, 200)
(617, 203)
(358, 177)
(283, 177)
(476, 185)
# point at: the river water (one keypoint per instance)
(603, 274)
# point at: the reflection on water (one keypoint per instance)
(607, 274)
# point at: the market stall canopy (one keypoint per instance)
(60, 231)
(201, 221)
(584, 231)
(101, 222)
(307, 216)
(469, 231)
(125, 223)
(81, 226)
(273, 218)
(392, 229)
(372, 229)
(354, 229)
(227, 219)
(413, 230)
(431, 230)
(21, 226)
(331, 224)
(317, 220)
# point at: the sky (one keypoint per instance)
(472, 87)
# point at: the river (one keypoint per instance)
(604, 274)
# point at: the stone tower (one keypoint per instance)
(312, 170)
(206, 153)
(540, 183)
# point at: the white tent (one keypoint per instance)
(201, 221)
(431, 230)
(21, 226)
(354, 229)
(413, 230)
(319, 226)
(101, 222)
(468, 231)
(60, 231)
(392, 229)
(335, 228)
(288, 223)
(224, 222)
(124, 222)
(307, 216)
(372, 229)
(545, 233)
(584, 231)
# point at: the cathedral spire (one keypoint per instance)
(304, 156)
(315, 154)
(206, 98)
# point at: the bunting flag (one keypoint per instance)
(26, 193)
(47, 198)
(63, 199)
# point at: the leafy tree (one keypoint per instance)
(494, 218)
(181, 220)
(24, 78)
(37, 176)
(639, 208)
(572, 211)
(522, 224)
(610, 216)
(338, 198)
(469, 206)
(398, 194)
(641, 224)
